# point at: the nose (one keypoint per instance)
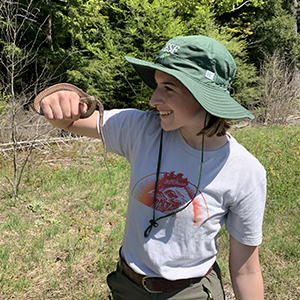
(156, 98)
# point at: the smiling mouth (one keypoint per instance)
(165, 113)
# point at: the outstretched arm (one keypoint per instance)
(245, 271)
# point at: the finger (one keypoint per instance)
(55, 106)
(61, 105)
(83, 108)
(46, 107)
(69, 105)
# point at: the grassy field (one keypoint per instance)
(60, 238)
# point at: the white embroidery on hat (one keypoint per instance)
(209, 75)
(171, 48)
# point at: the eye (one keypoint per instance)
(170, 194)
(167, 88)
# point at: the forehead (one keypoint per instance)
(162, 77)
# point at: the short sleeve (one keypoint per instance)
(124, 128)
(245, 216)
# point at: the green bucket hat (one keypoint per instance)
(204, 66)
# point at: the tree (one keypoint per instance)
(295, 27)
(88, 39)
(18, 53)
(268, 28)
(275, 30)
(137, 28)
(219, 7)
(280, 93)
(104, 32)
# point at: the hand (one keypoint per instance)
(63, 105)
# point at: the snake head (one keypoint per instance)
(91, 103)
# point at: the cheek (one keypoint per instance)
(195, 108)
(190, 105)
(190, 112)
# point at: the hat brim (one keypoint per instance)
(212, 98)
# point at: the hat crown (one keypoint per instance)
(202, 58)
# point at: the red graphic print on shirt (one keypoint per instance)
(173, 192)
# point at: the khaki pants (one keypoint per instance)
(123, 288)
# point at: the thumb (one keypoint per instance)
(83, 108)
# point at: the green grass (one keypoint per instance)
(60, 238)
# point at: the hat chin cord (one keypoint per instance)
(153, 221)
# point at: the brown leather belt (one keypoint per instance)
(158, 284)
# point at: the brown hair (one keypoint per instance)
(216, 126)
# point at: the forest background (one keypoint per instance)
(84, 42)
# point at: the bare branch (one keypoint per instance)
(15, 59)
(236, 8)
(281, 92)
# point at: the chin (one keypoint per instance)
(168, 128)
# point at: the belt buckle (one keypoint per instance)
(145, 286)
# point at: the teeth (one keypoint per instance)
(164, 113)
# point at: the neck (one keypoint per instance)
(210, 143)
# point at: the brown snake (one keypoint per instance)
(92, 102)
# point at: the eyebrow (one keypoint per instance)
(168, 83)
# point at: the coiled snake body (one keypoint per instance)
(92, 102)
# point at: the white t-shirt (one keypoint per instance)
(233, 190)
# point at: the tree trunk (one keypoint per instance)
(295, 8)
(14, 60)
(295, 27)
(49, 32)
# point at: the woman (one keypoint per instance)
(188, 177)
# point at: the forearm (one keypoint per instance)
(84, 127)
(245, 272)
(248, 285)
(62, 124)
